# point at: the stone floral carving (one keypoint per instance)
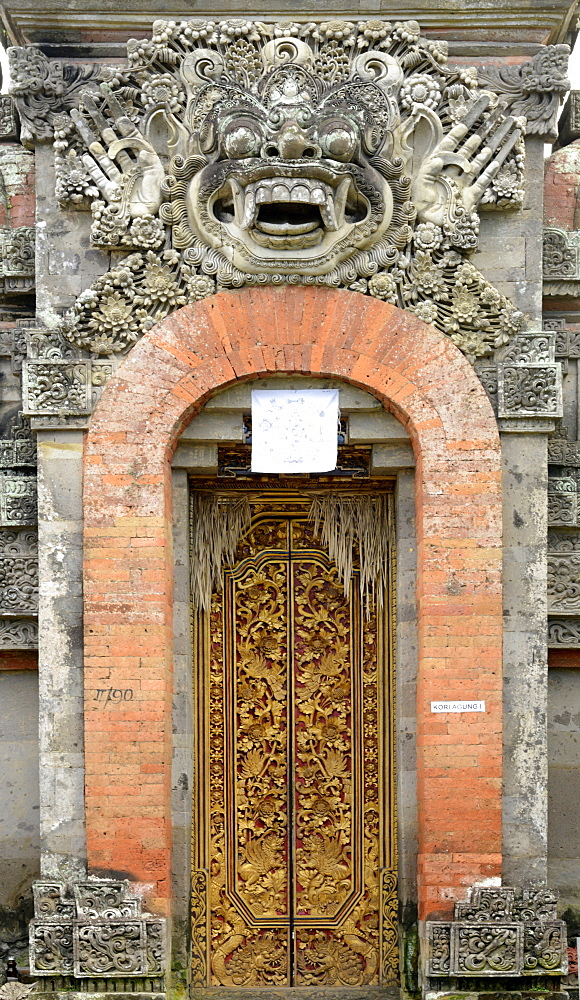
(533, 89)
(499, 932)
(94, 929)
(240, 152)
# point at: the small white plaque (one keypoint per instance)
(458, 706)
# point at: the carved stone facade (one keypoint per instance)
(350, 201)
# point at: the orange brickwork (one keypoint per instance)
(425, 381)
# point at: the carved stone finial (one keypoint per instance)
(533, 89)
(42, 87)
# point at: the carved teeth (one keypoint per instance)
(289, 190)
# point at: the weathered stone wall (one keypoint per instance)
(19, 813)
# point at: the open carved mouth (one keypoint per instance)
(290, 212)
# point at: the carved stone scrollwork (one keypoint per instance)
(20, 448)
(562, 451)
(564, 633)
(17, 251)
(17, 500)
(529, 390)
(563, 583)
(499, 932)
(94, 929)
(63, 387)
(18, 633)
(8, 121)
(292, 159)
(18, 572)
(43, 87)
(199, 929)
(533, 89)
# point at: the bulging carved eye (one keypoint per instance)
(338, 140)
(242, 139)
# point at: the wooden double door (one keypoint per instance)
(293, 881)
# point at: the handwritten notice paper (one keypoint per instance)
(458, 706)
(294, 430)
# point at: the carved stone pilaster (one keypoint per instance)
(503, 932)
(94, 929)
(533, 89)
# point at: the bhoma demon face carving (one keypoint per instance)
(290, 184)
(251, 153)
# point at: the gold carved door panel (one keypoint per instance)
(294, 856)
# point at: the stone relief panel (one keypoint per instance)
(239, 152)
(499, 932)
(94, 929)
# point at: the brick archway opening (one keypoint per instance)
(417, 374)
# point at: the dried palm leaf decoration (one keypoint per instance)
(343, 524)
(216, 528)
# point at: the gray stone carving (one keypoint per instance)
(564, 633)
(254, 191)
(8, 122)
(18, 572)
(569, 123)
(20, 448)
(562, 451)
(488, 949)
(492, 905)
(94, 929)
(560, 255)
(17, 499)
(529, 348)
(18, 633)
(529, 390)
(563, 583)
(17, 252)
(42, 88)
(499, 932)
(54, 387)
(533, 89)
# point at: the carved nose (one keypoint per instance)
(292, 143)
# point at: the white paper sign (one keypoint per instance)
(458, 706)
(294, 430)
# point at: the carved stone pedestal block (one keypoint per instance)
(93, 930)
(498, 933)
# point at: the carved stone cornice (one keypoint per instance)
(533, 89)
(42, 88)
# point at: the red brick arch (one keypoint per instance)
(425, 381)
